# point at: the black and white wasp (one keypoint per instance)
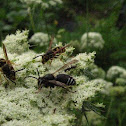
(60, 80)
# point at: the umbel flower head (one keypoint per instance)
(17, 43)
(92, 40)
(21, 105)
(41, 39)
(116, 72)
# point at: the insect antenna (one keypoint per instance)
(19, 70)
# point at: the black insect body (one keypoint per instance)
(52, 53)
(61, 80)
(9, 71)
(47, 56)
(6, 67)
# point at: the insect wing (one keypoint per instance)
(5, 53)
(66, 65)
(61, 49)
(57, 83)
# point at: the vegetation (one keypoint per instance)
(26, 27)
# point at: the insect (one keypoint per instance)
(52, 53)
(61, 80)
(6, 67)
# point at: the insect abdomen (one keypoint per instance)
(9, 71)
(64, 78)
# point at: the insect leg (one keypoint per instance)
(19, 70)
(49, 92)
(37, 56)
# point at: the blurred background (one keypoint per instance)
(89, 25)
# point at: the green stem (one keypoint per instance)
(119, 117)
(109, 110)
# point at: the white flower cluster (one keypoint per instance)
(21, 105)
(107, 85)
(44, 4)
(41, 39)
(17, 43)
(92, 40)
(116, 72)
(96, 72)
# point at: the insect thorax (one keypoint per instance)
(44, 81)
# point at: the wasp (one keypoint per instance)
(6, 67)
(61, 80)
(52, 53)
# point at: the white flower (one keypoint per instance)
(96, 72)
(17, 43)
(92, 40)
(115, 72)
(41, 39)
(107, 85)
(45, 4)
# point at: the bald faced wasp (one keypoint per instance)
(6, 67)
(52, 53)
(61, 80)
